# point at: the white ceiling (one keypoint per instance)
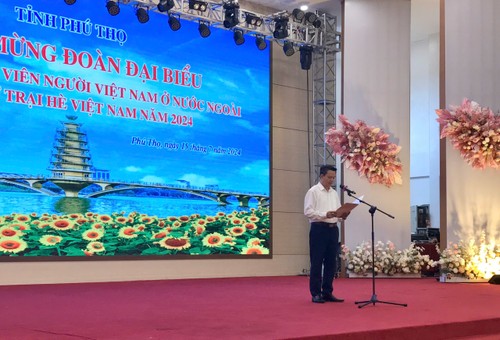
(327, 6)
(424, 16)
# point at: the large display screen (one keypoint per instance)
(121, 138)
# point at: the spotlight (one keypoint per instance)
(260, 42)
(280, 28)
(165, 5)
(298, 15)
(142, 15)
(305, 57)
(203, 29)
(70, 2)
(310, 17)
(231, 11)
(317, 23)
(174, 23)
(198, 5)
(253, 20)
(288, 48)
(238, 37)
(113, 8)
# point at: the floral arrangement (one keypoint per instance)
(474, 131)
(367, 150)
(471, 260)
(117, 234)
(388, 260)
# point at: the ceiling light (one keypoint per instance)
(142, 15)
(113, 8)
(204, 29)
(280, 28)
(288, 48)
(69, 2)
(165, 5)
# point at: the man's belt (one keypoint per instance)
(324, 224)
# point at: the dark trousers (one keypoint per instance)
(323, 249)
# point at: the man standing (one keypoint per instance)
(320, 204)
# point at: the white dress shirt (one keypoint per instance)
(318, 201)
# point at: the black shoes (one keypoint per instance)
(317, 299)
(325, 298)
(331, 298)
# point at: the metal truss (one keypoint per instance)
(324, 95)
(299, 33)
(325, 43)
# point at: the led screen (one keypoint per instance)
(121, 138)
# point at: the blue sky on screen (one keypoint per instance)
(231, 74)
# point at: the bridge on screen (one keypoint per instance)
(72, 187)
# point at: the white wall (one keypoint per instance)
(472, 44)
(377, 90)
(424, 129)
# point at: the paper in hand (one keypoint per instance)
(345, 209)
(356, 201)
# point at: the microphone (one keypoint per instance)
(346, 189)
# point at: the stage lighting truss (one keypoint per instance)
(215, 14)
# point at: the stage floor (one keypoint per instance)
(249, 308)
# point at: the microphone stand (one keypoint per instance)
(373, 300)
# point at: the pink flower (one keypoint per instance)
(474, 131)
(367, 150)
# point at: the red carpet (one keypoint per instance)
(249, 308)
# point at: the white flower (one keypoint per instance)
(471, 259)
(387, 259)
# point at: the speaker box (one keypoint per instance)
(495, 279)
